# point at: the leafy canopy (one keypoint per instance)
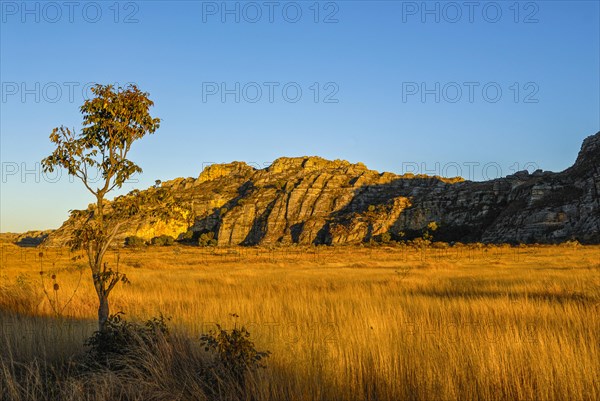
(112, 120)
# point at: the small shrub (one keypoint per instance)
(187, 236)
(420, 243)
(572, 243)
(386, 237)
(440, 245)
(134, 242)
(163, 240)
(427, 232)
(122, 338)
(207, 239)
(234, 353)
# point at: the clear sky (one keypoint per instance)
(480, 89)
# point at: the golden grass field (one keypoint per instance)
(342, 323)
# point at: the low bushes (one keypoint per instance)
(134, 242)
(162, 240)
(207, 239)
(141, 361)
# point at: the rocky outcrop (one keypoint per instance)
(27, 239)
(310, 200)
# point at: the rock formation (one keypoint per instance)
(310, 200)
(27, 239)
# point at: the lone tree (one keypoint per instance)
(112, 120)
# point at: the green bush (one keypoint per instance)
(420, 243)
(134, 241)
(386, 237)
(234, 353)
(427, 231)
(440, 245)
(122, 338)
(207, 239)
(572, 243)
(163, 240)
(187, 236)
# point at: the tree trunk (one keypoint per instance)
(103, 308)
(100, 210)
(103, 311)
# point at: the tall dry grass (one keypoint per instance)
(353, 323)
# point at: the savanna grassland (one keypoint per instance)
(341, 323)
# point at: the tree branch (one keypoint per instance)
(109, 239)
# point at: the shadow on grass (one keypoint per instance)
(542, 296)
(43, 358)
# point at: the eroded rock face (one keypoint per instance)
(310, 200)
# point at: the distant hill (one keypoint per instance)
(29, 238)
(310, 200)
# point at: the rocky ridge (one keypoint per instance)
(310, 200)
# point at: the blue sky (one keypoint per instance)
(435, 87)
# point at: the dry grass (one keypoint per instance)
(348, 323)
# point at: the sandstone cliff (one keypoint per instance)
(310, 200)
